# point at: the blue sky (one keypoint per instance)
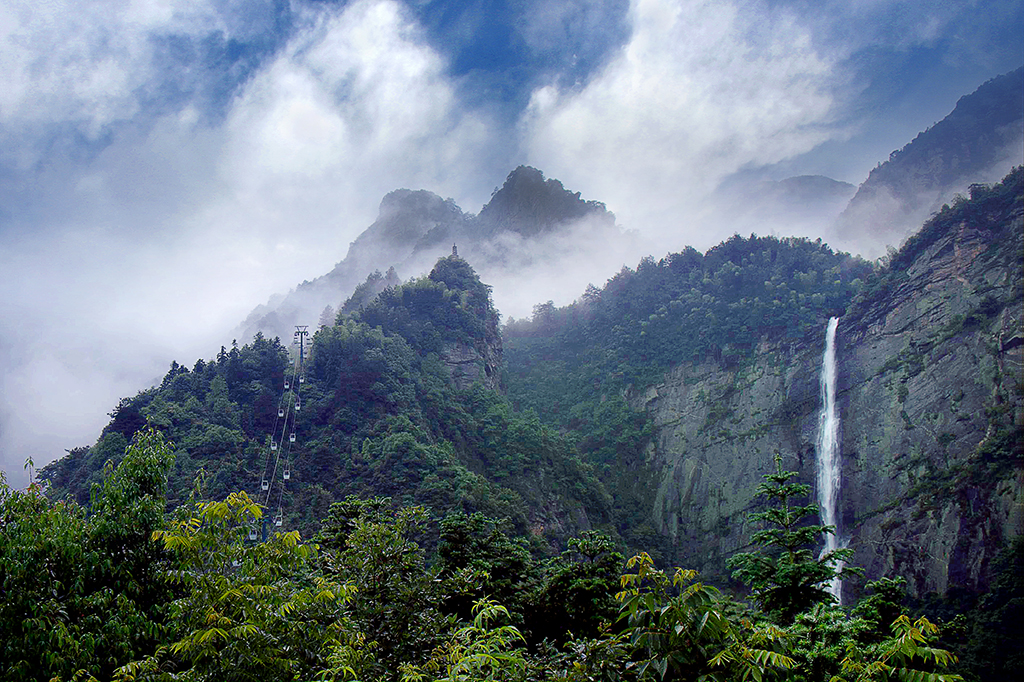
(166, 166)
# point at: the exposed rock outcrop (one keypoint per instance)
(469, 364)
(930, 396)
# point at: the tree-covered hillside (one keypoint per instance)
(681, 309)
(380, 410)
(402, 396)
(576, 365)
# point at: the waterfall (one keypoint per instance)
(828, 464)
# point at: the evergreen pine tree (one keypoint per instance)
(784, 577)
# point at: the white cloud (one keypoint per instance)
(701, 90)
(354, 107)
(164, 240)
(84, 63)
(546, 26)
(558, 266)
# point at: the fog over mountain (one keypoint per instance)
(978, 142)
(165, 168)
(532, 241)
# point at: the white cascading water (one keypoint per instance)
(828, 464)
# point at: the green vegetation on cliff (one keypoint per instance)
(575, 365)
(681, 309)
(440, 504)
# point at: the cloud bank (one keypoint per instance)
(701, 90)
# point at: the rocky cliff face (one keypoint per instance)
(930, 397)
(468, 364)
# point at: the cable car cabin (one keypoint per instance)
(302, 379)
(273, 446)
(291, 438)
(280, 412)
(252, 533)
(278, 521)
(265, 485)
(286, 386)
(287, 474)
(298, 406)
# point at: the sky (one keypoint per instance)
(167, 165)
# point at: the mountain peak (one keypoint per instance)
(530, 204)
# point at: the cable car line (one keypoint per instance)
(286, 407)
(279, 447)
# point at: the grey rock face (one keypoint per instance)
(926, 376)
(469, 364)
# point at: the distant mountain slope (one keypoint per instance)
(807, 191)
(414, 228)
(979, 141)
(802, 205)
(403, 219)
(530, 205)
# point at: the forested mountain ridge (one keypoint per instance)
(398, 399)
(669, 395)
(441, 462)
(665, 394)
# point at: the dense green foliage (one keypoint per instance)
(367, 291)
(206, 600)
(573, 365)
(684, 308)
(448, 518)
(80, 590)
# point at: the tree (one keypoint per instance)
(578, 595)
(784, 577)
(246, 610)
(543, 315)
(501, 566)
(395, 596)
(872, 641)
(479, 651)
(685, 630)
(910, 644)
(80, 594)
